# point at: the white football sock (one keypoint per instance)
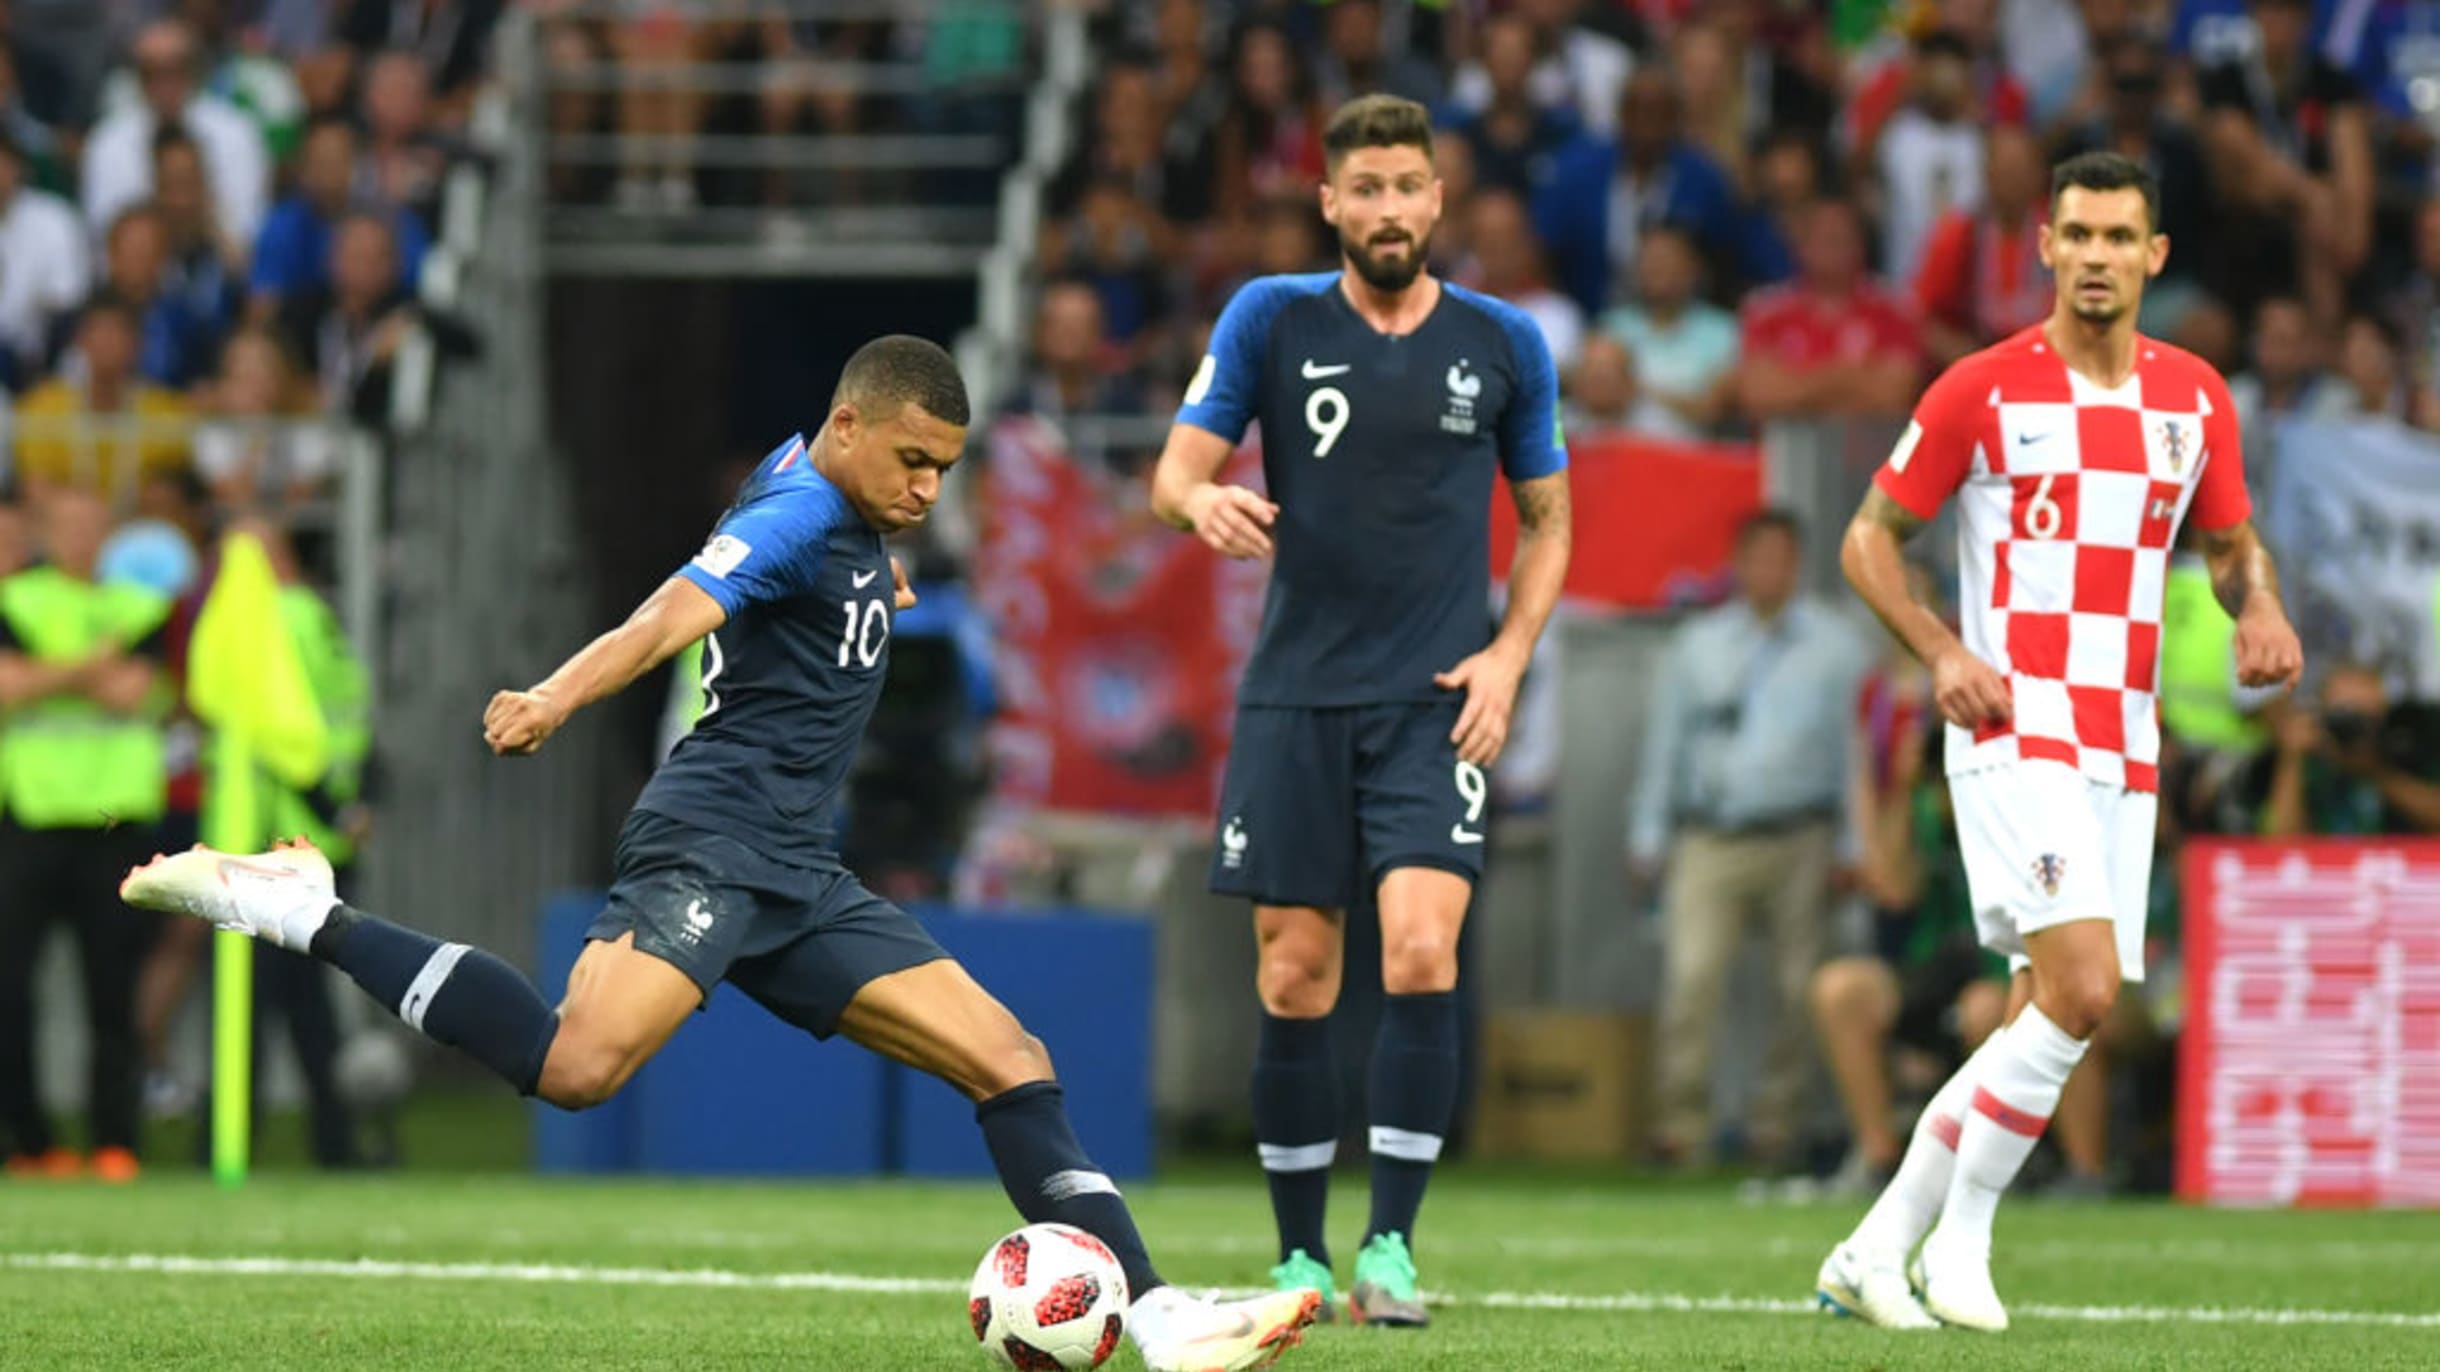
(1904, 1212)
(2012, 1105)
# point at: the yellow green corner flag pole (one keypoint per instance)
(232, 819)
(246, 685)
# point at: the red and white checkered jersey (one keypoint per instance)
(2069, 495)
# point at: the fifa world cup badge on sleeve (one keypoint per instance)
(723, 555)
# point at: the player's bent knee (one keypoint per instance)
(1419, 962)
(1849, 989)
(1019, 1060)
(2079, 1002)
(1297, 984)
(581, 1076)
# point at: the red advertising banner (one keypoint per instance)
(2309, 1068)
(1117, 640)
(1655, 522)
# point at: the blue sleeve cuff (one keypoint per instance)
(721, 592)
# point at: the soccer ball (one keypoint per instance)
(1049, 1297)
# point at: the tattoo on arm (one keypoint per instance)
(1542, 504)
(2240, 566)
(1890, 515)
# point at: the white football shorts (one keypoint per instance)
(2044, 844)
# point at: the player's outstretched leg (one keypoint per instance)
(1296, 1085)
(1412, 1083)
(1865, 1276)
(935, 1018)
(622, 1004)
(2075, 981)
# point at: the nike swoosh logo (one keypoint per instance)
(1313, 372)
(1459, 833)
(864, 579)
(2023, 439)
(1245, 1326)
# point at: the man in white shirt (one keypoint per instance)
(45, 268)
(118, 158)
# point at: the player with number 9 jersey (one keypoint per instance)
(1379, 688)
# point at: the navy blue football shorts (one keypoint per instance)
(1319, 803)
(800, 940)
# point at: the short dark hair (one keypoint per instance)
(897, 368)
(1770, 519)
(1944, 43)
(2107, 171)
(1377, 121)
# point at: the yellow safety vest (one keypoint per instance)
(2198, 666)
(70, 764)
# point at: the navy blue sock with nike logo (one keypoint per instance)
(451, 993)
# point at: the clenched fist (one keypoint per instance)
(517, 722)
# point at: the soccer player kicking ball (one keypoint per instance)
(2075, 450)
(1378, 691)
(728, 867)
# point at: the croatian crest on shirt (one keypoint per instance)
(2177, 440)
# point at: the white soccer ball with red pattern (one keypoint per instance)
(1049, 1297)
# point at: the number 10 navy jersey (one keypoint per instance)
(1379, 450)
(790, 680)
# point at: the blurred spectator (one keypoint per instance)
(2289, 144)
(660, 110)
(1512, 138)
(249, 449)
(453, 37)
(1356, 60)
(1904, 1015)
(1993, 93)
(805, 91)
(1685, 347)
(293, 256)
(1288, 238)
(2376, 383)
(403, 158)
(1072, 375)
(1126, 145)
(104, 429)
(1579, 70)
(178, 344)
(118, 165)
(1832, 342)
(1270, 139)
(37, 144)
(1606, 399)
(1774, 86)
(42, 245)
(1788, 177)
(1507, 263)
(2413, 308)
(1601, 196)
(350, 330)
(1119, 243)
(207, 267)
(2341, 769)
(259, 85)
(2286, 379)
(84, 786)
(1982, 277)
(1718, 95)
(2135, 122)
(1928, 159)
(1190, 93)
(1453, 160)
(1741, 783)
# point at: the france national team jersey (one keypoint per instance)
(791, 679)
(1378, 450)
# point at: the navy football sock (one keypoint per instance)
(1414, 1092)
(1296, 1123)
(449, 992)
(1047, 1175)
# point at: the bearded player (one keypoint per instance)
(1379, 689)
(2075, 451)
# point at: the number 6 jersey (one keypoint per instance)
(2069, 497)
(791, 678)
(1379, 450)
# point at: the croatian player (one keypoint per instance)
(728, 867)
(1377, 692)
(2075, 450)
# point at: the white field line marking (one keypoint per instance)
(1627, 1301)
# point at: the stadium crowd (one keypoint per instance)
(1739, 214)
(212, 213)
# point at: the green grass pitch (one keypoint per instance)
(1572, 1270)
